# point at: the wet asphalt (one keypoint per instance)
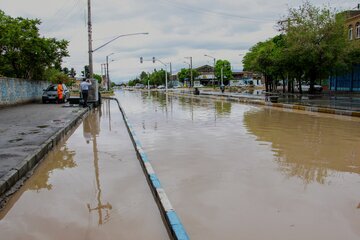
(24, 128)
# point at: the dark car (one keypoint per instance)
(50, 94)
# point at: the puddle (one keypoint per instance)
(34, 131)
(230, 167)
(82, 191)
(30, 132)
(15, 140)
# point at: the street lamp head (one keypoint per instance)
(209, 56)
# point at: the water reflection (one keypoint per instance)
(197, 108)
(223, 108)
(91, 129)
(59, 160)
(308, 147)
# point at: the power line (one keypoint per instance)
(65, 15)
(188, 7)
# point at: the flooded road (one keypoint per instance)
(235, 171)
(90, 187)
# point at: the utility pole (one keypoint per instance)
(171, 77)
(107, 73)
(91, 70)
(222, 76)
(191, 73)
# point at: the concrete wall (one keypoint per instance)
(16, 91)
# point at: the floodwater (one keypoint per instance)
(90, 187)
(235, 171)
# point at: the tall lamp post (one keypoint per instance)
(166, 77)
(107, 71)
(91, 71)
(189, 68)
(214, 65)
(191, 72)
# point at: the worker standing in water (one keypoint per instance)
(60, 92)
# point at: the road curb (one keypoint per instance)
(30, 161)
(172, 220)
(242, 99)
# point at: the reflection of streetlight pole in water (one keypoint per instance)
(91, 127)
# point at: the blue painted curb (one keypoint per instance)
(173, 221)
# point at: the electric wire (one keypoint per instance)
(188, 7)
(62, 16)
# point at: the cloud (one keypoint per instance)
(221, 28)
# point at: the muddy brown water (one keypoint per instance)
(235, 171)
(90, 187)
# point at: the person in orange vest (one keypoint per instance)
(60, 92)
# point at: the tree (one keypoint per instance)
(144, 75)
(317, 38)
(97, 77)
(227, 72)
(23, 53)
(56, 76)
(185, 74)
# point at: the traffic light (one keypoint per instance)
(153, 59)
(141, 59)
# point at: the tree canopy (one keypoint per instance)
(24, 53)
(227, 72)
(312, 45)
(185, 74)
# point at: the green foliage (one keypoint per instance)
(23, 53)
(55, 76)
(144, 75)
(317, 38)
(133, 82)
(156, 78)
(97, 77)
(185, 74)
(226, 66)
(312, 46)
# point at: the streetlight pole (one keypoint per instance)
(189, 69)
(214, 66)
(91, 70)
(222, 76)
(107, 72)
(166, 77)
(191, 72)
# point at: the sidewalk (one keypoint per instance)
(334, 101)
(28, 132)
(323, 103)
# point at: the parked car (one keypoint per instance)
(306, 87)
(139, 85)
(50, 94)
(161, 87)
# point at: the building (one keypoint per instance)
(353, 24)
(206, 76)
(349, 81)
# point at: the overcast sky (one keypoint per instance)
(224, 29)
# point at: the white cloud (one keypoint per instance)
(221, 28)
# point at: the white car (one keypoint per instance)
(306, 88)
(161, 87)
